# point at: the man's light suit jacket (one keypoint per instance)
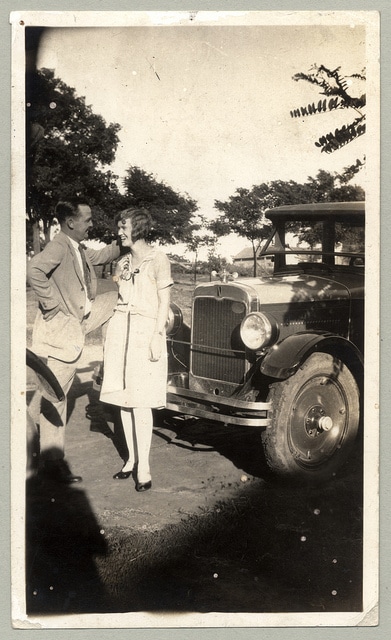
(56, 277)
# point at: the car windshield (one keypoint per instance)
(329, 242)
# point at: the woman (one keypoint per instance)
(135, 358)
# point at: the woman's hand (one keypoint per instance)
(122, 265)
(156, 347)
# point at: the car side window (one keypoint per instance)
(349, 244)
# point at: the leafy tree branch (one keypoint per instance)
(343, 92)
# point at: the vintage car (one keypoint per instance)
(282, 352)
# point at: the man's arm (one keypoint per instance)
(38, 270)
(103, 256)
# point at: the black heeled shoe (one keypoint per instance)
(143, 486)
(123, 475)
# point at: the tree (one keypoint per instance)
(197, 241)
(68, 148)
(244, 212)
(342, 92)
(172, 212)
(331, 187)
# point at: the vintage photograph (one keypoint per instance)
(195, 242)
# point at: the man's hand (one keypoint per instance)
(49, 315)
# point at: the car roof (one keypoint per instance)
(318, 210)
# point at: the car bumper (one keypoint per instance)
(227, 410)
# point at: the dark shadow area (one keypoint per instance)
(266, 551)
(241, 445)
(63, 540)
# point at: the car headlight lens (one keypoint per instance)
(175, 319)
(258, 330)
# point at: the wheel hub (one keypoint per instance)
(316, 421)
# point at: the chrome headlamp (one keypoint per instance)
(258, 330)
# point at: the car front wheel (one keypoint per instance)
(315, 419)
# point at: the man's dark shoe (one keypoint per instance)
(58, 471)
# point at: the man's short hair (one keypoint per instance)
(68, 209)
(141, 221)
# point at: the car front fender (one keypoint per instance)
(45, 374)
(285, 358)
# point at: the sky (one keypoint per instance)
(206, 109)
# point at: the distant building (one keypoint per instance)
(245, 257)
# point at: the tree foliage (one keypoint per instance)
(172, 213)
(244, 212)
(342, 92)
(69, 147)
(331, 187)
(69, 150)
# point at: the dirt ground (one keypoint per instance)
(189, 470)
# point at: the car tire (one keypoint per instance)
(315, 420)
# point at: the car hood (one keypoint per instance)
(286, 289)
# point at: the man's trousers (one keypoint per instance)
(53, 413)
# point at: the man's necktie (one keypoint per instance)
(86, 272)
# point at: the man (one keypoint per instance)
(64, 280)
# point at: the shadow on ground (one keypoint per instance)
(266, 550)
(62, 543)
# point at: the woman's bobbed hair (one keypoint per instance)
(141, 222)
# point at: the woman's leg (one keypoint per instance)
(143, 424)
(127, 423)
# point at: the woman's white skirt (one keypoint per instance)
(130, 379)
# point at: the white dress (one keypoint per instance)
(130, 379)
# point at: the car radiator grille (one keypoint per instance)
(217, 350)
